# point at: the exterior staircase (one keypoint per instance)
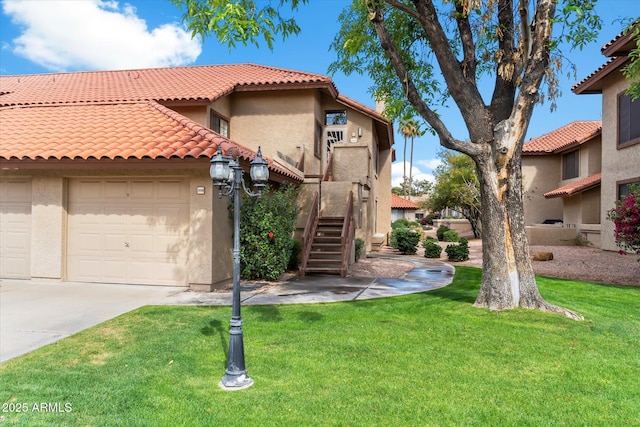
(327, 241)
(326, 254)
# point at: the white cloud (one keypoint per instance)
(430, 164)
(93, 34)
(397, 171)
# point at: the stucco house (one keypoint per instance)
(561, 177)
(104, 176)
(403, 208)
(574, 174)
(620, 128)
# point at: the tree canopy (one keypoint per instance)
(457, 187)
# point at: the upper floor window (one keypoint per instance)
(335, 117)
(624, 187)
(628, 120)
(219, 124)
(317, 146)
(571, 165)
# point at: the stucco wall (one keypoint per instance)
(197, 114)
(383, 194)
(617, 164)
(351, 163)
(593, 163)
(281, 121)
(541, 174)
(48, 225)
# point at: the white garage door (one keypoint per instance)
(128, 231)
(15, 229)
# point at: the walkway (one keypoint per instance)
(36, 313)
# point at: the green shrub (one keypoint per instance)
(359, 246)
(429, 239)
(459, 252)
(294, 259)
(400, 223)
(414, 224)
(431, 248)
(266, 227)
(440, 232)
(406, 240)
(428, 219)
(450, 236)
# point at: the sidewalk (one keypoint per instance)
(426, 275)
(36, 313)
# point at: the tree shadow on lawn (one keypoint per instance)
(464, 288)
(271, 313)
(215, 328)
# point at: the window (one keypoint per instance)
(628, 120)
(571, 165)
(335, 117)
(317, 147)
(219, 124)
(624, 187)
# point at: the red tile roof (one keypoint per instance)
(621, 44)
(618, 50)
(199, 83)
(568, 136)
(575, 187)
(592, 84)
(127, 112)
(134, 130)
(398, 202)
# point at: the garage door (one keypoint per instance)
(128, 231)
(15, 229)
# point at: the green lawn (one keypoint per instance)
(418, 360)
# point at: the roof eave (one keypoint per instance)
(592, 83)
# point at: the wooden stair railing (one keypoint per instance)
(330, 247)
(309, 234)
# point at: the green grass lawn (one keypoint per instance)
(417, 360)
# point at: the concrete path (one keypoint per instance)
(36, 313)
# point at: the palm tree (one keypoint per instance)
(410, 128)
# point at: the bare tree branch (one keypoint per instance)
(506, 71)
(391, 50)
(468, 64)
(462, 89)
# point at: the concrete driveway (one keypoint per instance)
(33, 313)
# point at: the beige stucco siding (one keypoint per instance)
(617, 164)
(276, 121)
(196, 113)
(541, 174)
(48, 225)
(383, 197)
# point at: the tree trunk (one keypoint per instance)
(404, 164)
(508, 280)
(411, 170)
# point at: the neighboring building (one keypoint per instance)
(620, 129)
(402, 208)
(104, 176)
(561, 176)
(574, 175)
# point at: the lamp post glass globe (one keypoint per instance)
(219, 170)
(259, 170)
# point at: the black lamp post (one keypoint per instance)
(227, 175)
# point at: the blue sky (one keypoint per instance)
(41, 36)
